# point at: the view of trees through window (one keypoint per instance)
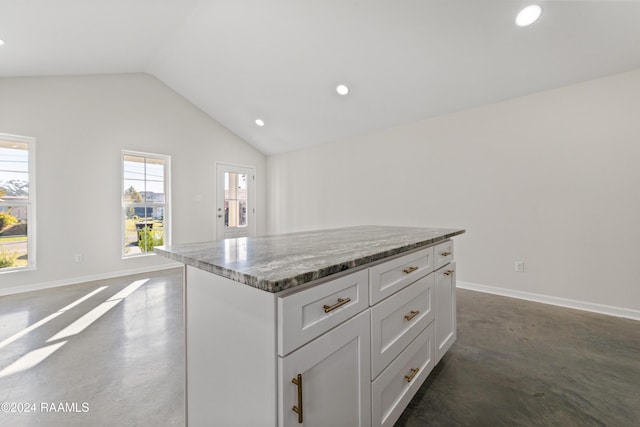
(235, 199)
(15, 206)
(144, 202)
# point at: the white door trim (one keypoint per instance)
(251, 197)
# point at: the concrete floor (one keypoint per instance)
(118, 354)
(127, 365)
(520, 363)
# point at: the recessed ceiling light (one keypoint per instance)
(260, 122)
(1, 42)
(528, 15)
(342, 89)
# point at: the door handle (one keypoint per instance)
(298, 408)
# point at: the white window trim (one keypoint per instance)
(167, 201)
(31, 204)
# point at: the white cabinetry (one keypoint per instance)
(392, 391)
(396, 321)
(346, 351)
(391, 276)
(231, 357)
(307, 314)
(445, 307)
(326, 382)
(443, 254)
(402, 332)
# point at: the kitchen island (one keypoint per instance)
(334, 327)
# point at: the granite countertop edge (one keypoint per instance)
(274, 286)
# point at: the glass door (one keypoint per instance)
(235, 210)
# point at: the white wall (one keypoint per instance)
(552, 179)
(81, 124)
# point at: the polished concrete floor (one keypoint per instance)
(110, 353)
(113, 359)
(519, 363)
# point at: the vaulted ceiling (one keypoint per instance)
(280, 60)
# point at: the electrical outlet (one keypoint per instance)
(518, 266)
(78, 257)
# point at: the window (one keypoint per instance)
(235, 199)
(145, 202)
(17, 203)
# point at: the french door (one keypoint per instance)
(235, 201)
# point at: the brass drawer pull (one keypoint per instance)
(410, 270)
(445, 253)
(412, 314)
(340, 303)
(298, 409)
(413, 373)
(448, 272)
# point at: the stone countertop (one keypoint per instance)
(279, 262)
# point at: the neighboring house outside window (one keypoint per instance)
(17, 203)
(145, 202)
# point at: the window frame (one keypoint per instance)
(30, 204)
(125, 205)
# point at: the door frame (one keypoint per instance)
(251, 197)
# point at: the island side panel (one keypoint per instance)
(231, 352)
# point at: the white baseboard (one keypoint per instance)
(547, 299)
(90, 278)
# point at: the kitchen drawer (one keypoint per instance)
(391, 276)
(443, 254)
(396, 321)
(307, 314)
(392, 391)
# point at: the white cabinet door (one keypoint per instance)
(327, 380)
(445, 304)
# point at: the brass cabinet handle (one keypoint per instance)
(445, 253)
(412, 314)
(298, 409)
(340, 303)
(413, 373)
(448, 272)
(410, 270)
